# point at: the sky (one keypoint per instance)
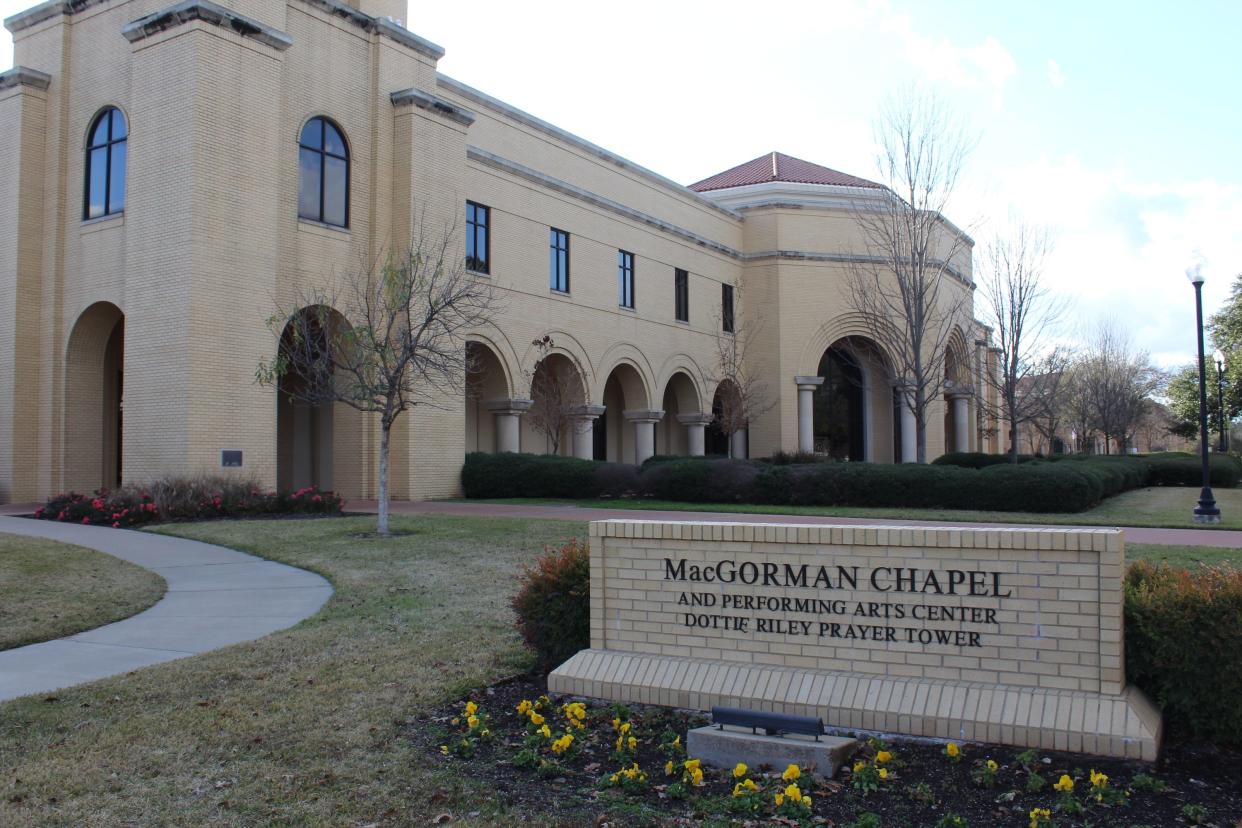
(1114, 125)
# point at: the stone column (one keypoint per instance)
(960, 400)
(695, 425)
(806, 411)
(737, 444)
(508, 422)
(909, 439)
(584, 430)
(644, 421)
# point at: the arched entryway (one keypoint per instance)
(317, 444)
(557, 396)
(680, 405)
(853, 406)
(727, 434)
(615, 434)
(957, 399)
(94, 399)
(486, 388)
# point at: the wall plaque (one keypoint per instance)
(1011, 636)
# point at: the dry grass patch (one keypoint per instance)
(308, 726)
(51, 590)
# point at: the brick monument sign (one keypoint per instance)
(1012, 636)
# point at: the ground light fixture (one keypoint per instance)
(1206, 511)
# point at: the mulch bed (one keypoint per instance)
(922, 788)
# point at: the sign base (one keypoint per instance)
(1127, 725)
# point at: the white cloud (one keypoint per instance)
(1056, 76)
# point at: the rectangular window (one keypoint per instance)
(726, 308)
(558, 261)
(625, 279)
(681, 295)
(478, 256)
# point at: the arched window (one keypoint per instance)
(323, 166)
(105, 164)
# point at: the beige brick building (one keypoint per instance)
(171, 174)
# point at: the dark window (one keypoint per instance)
(105, 165)
(478, 218)
(681, 295)
(625, 279)
(558, 261)
(323, 173)
(726, 308)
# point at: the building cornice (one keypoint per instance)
(565, 188)
(379, 25)
(432, 103)
(22, 76)
(189, 11)
(526, 119)
(46, 11)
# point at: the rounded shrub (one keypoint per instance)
(1184, 645)
(553, 604)
(701, 481)
(978, 459)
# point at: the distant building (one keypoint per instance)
(173, 172)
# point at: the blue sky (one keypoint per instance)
(1114, 124)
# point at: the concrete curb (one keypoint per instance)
(216, 597)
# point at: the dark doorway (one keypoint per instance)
(839, 411)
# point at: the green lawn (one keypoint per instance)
(1159, 507)
(1183, 556)
(304, 727)
(49, 590)
(309, 726)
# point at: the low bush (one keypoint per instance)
(978, 459)
(553, 604)
(1184, 645)
(796, 458)
(698, 481)
(184, 498)
(541, 475)
(1178, 469)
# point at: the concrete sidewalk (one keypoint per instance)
(1224, 538)
(215, 597)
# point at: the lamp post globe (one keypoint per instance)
(1206, 511)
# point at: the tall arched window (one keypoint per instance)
(323, 183)
(105, 164)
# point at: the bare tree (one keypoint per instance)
(557, 394)
(387, 337)
(744, 396)
(1044, 397)
(1020, 309)
(1111, 387)
(906, 289)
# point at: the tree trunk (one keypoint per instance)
(381, 527)
(1011, 402)
(920, 426)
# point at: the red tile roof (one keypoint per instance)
(776, 166)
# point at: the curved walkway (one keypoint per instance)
(1226, 538)
(216, 597)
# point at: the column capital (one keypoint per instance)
(508, 406)
(695, 419)
(809, 382)
(643, 415)
(960, 393)
(587, 411)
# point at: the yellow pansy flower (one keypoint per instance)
(471, 708)
(696, 776)
(882, 757)
(632, 743)
(691, 764)
(668, 768)
(780, 799)
(951, 750)
(992, 766)
(523, 707)
(1098, 780)
(859, 766)
(792, 773)
(473, 721)
(546, 732)
(806, 800)
(793, 792)
(1064, 784)
(536, 719)
(884, 773)
(739, 770)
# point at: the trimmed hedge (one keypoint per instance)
(978, 459)
(542, 475)
(1184, 645)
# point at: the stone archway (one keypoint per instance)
(94, 399)
(554, 423)
(625, 432)
(853, 405)
(316, 444)
(487, 387)
(680, 432)
(718, 441)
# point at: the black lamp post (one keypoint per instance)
(1206, 511)
(1220, 400)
